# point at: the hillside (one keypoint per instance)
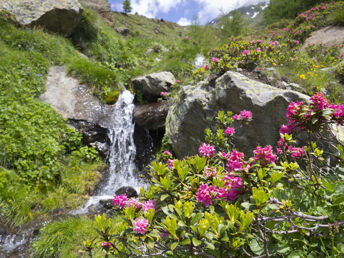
(209, 204)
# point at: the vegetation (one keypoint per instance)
(218, 203)
(127, 6)
(285, 9)
(45, 167)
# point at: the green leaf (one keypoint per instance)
(255, 247)
(188, 209)
(174, 245)
(196, 217)
(164, 197)
(211, 246)
(186, 241)
(284, 250)
(159, 168)
(203, 226)
(276, 176)
(259, 195)
(196, 242)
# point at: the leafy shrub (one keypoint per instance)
(219, 203)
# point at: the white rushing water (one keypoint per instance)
(122, 152)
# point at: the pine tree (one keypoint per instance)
(126, 6)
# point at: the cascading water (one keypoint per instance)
(122, 152)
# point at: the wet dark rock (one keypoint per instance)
(152, 116)
(107, 204)
(93, 134)
(127, 190)
(147, 143)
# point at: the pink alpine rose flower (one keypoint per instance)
(215, 60)
(120, 200)
(147, 205)
(140, 226)
(206, 150)
(229, 131)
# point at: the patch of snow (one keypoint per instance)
(254, 15)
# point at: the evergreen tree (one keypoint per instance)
(126, 6)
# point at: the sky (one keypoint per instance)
(183, 12)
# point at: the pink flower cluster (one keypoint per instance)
(300, 115)
(167, 153)
(147, 205)
(206, 150)
(294, 152)
(229, 131)
(140, 225)
(319, 101)
(244, 115)
(122, 201)
(235, 161)
(206, 194)
(274, 43)
(215, 60)
(210, 172)
(246, 52)
(235, 184)
(170, 163)
(105, 244)
(165, 94)
(264, 155)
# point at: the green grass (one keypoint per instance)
(65, 238)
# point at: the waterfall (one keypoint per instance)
(122, 152)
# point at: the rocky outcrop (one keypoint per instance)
(331, 35)
(102, 7)
(59, 16)
(197, 106)
(76, 103)
(153, 84)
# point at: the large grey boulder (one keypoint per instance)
(59, 16)
(196, 107)
(330, 36)
(153, 84)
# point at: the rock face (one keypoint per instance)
(59, 16)
(153, 84)
(331, 35)
(102, 7)
(76, 103)
(197, 106)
